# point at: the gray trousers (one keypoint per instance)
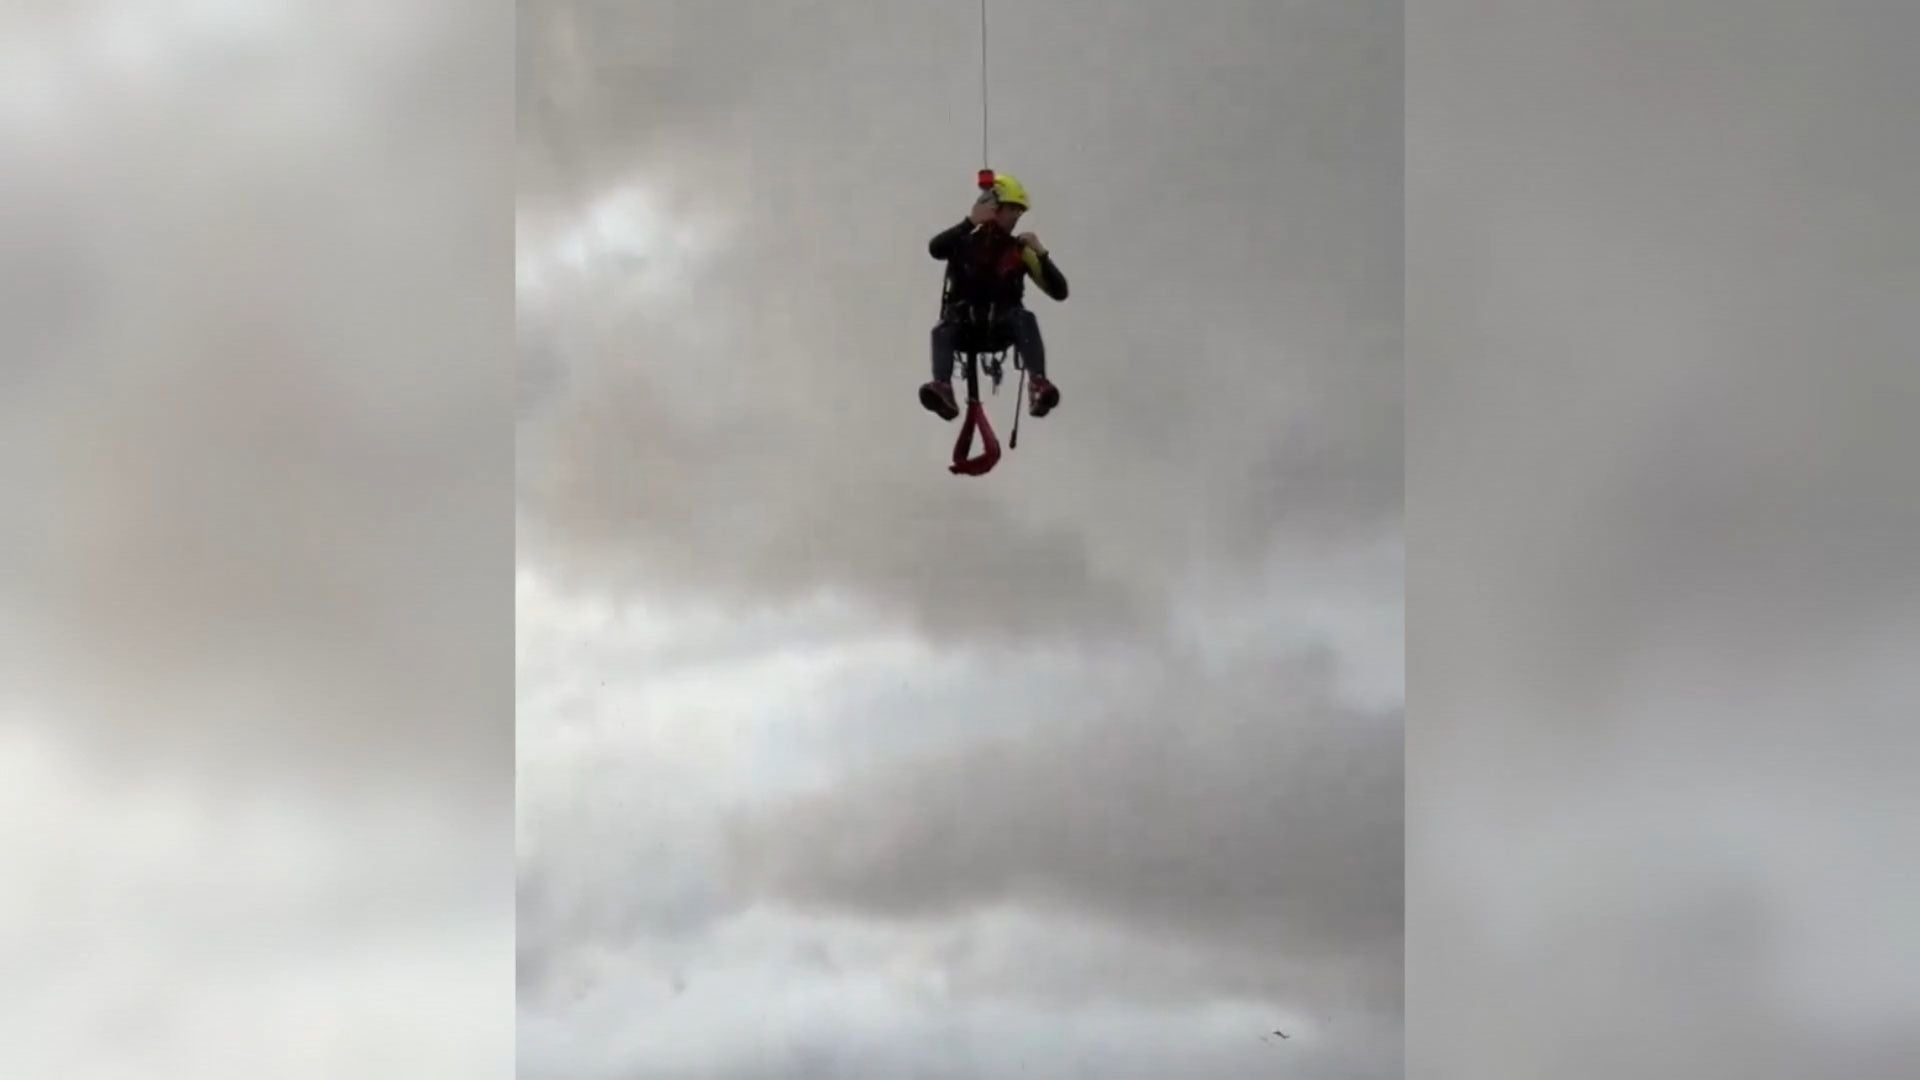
(1018, 323)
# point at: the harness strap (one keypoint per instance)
(989, 455)
(1019, 397)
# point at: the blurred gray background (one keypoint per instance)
(1661, 281)
(256, 560)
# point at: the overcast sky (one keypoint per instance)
(834, 765)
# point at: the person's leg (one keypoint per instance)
(1024, 328)
(1033, 352)
(943, 333)
(937, 395)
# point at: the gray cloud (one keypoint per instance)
(874, 915)
(1230, 358)
(778, 995)
(1241, 806)
(803, 625)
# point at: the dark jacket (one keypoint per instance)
(989, 266)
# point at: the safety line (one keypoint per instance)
(985, 161)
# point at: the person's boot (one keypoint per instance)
(937, 397)
(1042, 394)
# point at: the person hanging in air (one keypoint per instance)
(987, 263)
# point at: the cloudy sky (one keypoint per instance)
(834, 765)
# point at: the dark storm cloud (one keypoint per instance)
(1219, 181)
(1239, 806)
(1221, 848)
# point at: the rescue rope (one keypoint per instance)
(985, 161)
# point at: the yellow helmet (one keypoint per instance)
(1008, 192)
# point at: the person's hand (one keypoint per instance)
(1028, 240)
(983, 212)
